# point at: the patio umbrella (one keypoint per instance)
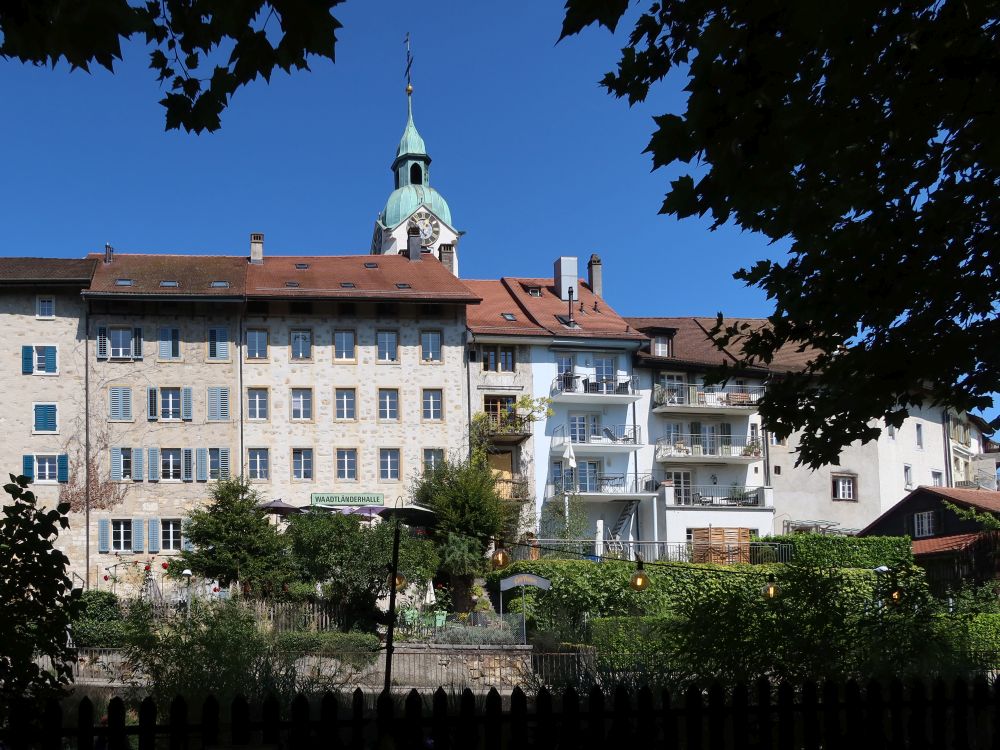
(368, 511)
(430, 597)
(279, 507)
(568, 455)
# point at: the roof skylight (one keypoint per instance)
(347, 285)
(371, 264)
(302, 266)
(169, 283)
(508, 316)
(123, 282)
(219, 284)
(291, 284)
(403, 285)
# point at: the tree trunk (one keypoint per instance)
(461, 592)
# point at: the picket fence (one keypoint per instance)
(810, 716)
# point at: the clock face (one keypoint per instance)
(429, 226)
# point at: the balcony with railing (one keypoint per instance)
(591, 439)
(574, 388)
(690, 398)
(513, 489)
(705, 448)
(717, 496)
(610, 486)
(507, 428)
(753, 553)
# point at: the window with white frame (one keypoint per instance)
(775, 440)
(120, 341)
(662, 346)
(430, 346)
(126, 460)
(433, 458)
(256, 343)
(907, 476)
(170, 403)
(499, 358)
(46, 468)
(301, 344)
(937, 478)
(121, 535)
(170, 534)
(343, 345)
(388, 403)
(301, 403)
(345, 403)
(845, 487)
(347, 463)
(388, 464)
(46, 360)
(924, 524)
(170, 463)
(565, 364)
(215, 463)
(45, 308)
(432, 403)
(302, 463)
(257, 463)
(388, 346)
(920, 436)
(257, 403)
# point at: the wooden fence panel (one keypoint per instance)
(439, 722)
(939, 714)
(716, 717)
(740, 711)
(786, 717)
(300, 733)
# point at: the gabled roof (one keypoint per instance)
(539, 315)
(693, 345)
(941, 544)
(982, 500)
(193, 274)
(70, 271)
(325, 277)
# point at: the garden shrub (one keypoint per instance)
(356, 647)
(984, 634)
(100, 622)
(465, 635)
(847, 551)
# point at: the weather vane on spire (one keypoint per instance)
(409, 64)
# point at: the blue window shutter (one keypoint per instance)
(27, 360)
(102, 342)
(116, 464)
(165, 349)
(213, 344)
(223, 463)
(154, 465)
(202, 455)
(103, 535)
(39, 418)
(213, 403)
(62, 467)
(137, 525)
(153, 534)
(28, 466)
(137, 343)
(186, 407)
(50, 417)
(50, 359)
(224, 403)
(222, 343)
(151, 405)
(185, 542)
(137, 465)
(187, 469)
(126, 397)
(115, 403)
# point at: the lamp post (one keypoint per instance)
(187, 577)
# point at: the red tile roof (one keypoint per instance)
(941, 544)
(984, 500)
(42, 270)
(425, 280)
(194, 275)
(537, 315)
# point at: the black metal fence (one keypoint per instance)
(917, 714)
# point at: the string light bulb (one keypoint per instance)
(640, 579)
(895, 593)
(399, 580)
(500, 558)
(771, 589)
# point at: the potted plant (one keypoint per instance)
(752, 448)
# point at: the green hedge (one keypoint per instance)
(847, 551)
(627, 635)
(327, 643)
(100, 622)
(984, 634)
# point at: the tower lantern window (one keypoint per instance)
(416, 175)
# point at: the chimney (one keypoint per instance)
(256, 248)
(413, 248)
(595, 275)
(109, 252)
(448, 257)
(565, 276)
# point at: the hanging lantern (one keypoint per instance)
(640, 579)
(771, 589)
(500, 558)
(399, 581)
(895, 593)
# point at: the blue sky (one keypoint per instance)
(535, 159)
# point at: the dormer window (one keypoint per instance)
(534, 291)
(123, 282)
(301, 266)
(663, 346)
(416, 175)
(170, 284)
(567, 321)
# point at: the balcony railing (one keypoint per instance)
(604, 484)
(692, 446)
(753, 553)
(508, 424)
(513, 489)
(707, 396)
(618, 385)
(716, 495)
(621, 434)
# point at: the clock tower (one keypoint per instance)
(414, 203)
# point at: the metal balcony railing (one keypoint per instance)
(753, 553)
(618, 385)
(604, 484)
(513, 489)
(621, 434)
(707, 396)
(717, 495)
(692, 446)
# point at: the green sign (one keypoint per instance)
(347, 498)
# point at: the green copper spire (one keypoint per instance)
(411, 144)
